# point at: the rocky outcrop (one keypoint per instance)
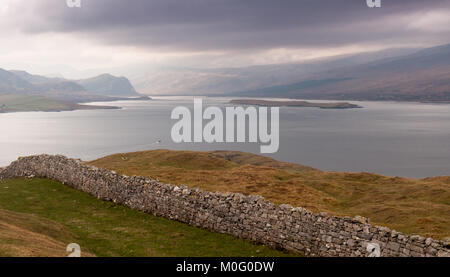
(249, 217)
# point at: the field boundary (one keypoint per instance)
(249, 217)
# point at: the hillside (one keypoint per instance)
(109, 85)
(392, 75)
(223, 81)
(39, 217)
(406, 205)
(421, 76)
(11, 83)
(49, 84)
(101, 88)
(27, 235)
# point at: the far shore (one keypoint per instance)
(74, 107)
(295, 103)
(13, 103)
(115, 98)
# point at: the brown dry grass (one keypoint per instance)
(406, 205)
(26, 235)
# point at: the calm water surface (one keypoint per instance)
(397, 139)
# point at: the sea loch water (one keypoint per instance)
(396, 139)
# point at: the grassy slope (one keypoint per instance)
(29, 235)
(39, 217)
(406, 205)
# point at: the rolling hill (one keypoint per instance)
(407, 205)
(421, 76)
(11, 83)
(392, 74)
(223, 81)
(28, 235)
(102, 88)
(40, 217)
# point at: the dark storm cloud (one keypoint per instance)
(198, 25)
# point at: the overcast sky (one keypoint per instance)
(47, 36)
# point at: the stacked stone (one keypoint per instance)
(249, 217)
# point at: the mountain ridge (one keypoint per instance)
(420, 76)
(107, 84)
(414, 74)
(104, 87)
(230, 80)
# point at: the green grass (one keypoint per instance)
(105, 229)
(26, 235)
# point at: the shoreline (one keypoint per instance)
(70, 106)
(78, 108)
(446, 102)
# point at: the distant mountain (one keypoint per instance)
(194, 81)
(34, 79)
(11, 83)
(392, 74)
(421, 76)
(49, 84)
(106, 84)
(102, 88)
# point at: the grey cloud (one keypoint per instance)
(200, 25)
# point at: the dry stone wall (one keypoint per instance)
(248, 217)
